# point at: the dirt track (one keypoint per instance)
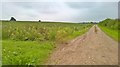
(92, 48)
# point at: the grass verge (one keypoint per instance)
(110, 32)
(25, 52)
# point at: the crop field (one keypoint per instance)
(26, 43)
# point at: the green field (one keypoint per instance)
(111, 27)
(31, 43)
(25, 52)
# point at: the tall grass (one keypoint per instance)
(35, 31)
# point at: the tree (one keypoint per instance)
(91, 22)
(12, 19)
(39, 20)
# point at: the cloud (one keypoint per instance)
(35, 11)
(60, 11)
(95, 11)
(60, 0)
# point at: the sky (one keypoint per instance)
(59, 10)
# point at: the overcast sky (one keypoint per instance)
(50, 10)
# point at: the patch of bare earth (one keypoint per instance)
(92, 48)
